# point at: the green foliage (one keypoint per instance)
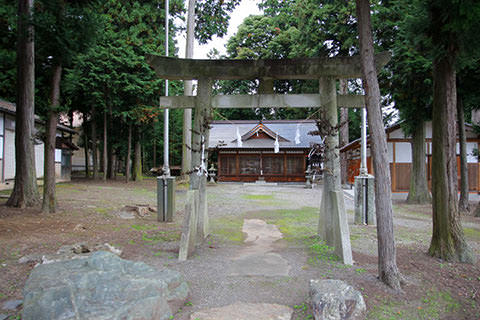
(212, 17)
(8, 32)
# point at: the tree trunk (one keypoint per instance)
(418, 192)
(85, 146)
(477, 210)
(25, 191)
(343, 134)
(111, 151)
(49, 201)
(105, 146)
(94, 144)
(137, 162)
(129, 154)
(448, 241)
(188, 91)
(387, 261)
(463, 204)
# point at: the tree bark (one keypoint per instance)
(86, 146)
(448, 241)
(105, 146)
(343, 134)
(418, 192)
(188, 91)
(463, 204)
(137, 161)
(129, 154)
(94, 144)
(387, 261)
(111, 152)
(25, 191)
(477, 211)
(49, 202)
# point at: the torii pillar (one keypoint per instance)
(333, 224)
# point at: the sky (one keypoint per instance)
(243, 10)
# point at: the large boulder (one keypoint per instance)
(102, 287)
(335, 300)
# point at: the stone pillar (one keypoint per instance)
(266, 86)
(364, 189)
(333, 225)
(203, 103)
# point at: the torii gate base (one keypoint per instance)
(333, 226)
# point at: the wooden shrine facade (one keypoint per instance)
(255, 157)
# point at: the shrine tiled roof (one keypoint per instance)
(223, 134)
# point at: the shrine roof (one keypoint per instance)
(223, 134)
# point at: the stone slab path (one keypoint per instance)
(257, 258)
(245, 311)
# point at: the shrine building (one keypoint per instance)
(257, 156)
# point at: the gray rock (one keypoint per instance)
(104, 287)
(12, 304)
(3, 316)
(335, 300)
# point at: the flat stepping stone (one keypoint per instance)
(257, 258)
(245, 311)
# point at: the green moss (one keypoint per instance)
(258, 196)
(228, 228)
(472, 233)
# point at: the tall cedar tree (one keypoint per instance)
(64, 28)
(25, 191)
(387, 261)
(447, 28)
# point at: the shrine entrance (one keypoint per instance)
(332, 226)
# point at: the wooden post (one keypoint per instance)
(394, 168)
(333, 226)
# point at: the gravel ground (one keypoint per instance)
(92, 205)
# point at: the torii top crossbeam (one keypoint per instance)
(298, 69)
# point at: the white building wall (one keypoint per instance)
(39, 158)
(9, 151)
(390, 152)
(471, 146)
(403, 152)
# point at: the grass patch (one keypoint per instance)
(433, 305)
(472, 233)
(294, 224)
(103, 211)
(142, 227)
(319, 251)
(143, 192)
(258, 196)
(161, 236)
(229, 228)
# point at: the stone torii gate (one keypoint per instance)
(333, 226)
